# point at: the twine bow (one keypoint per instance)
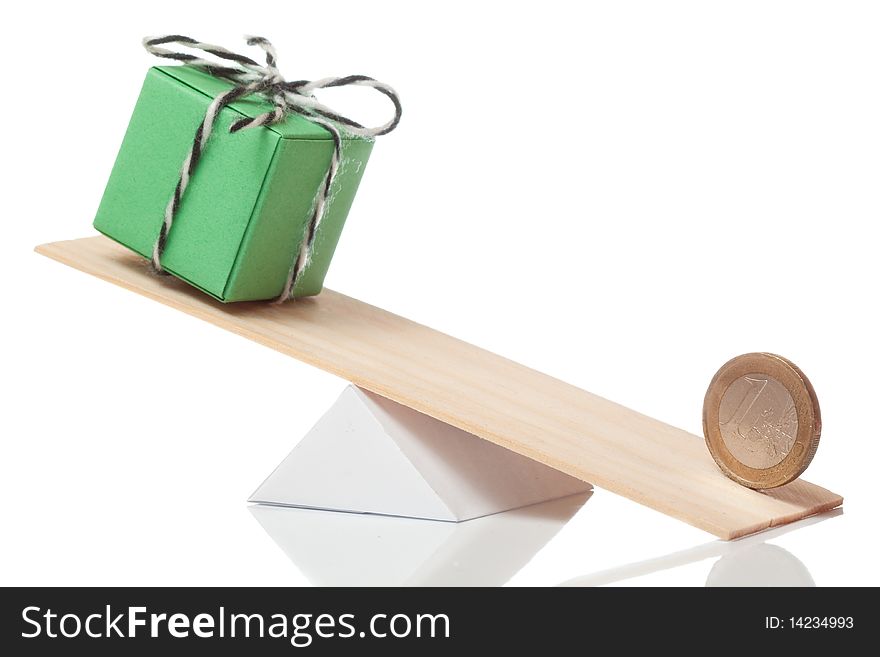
(251, 78)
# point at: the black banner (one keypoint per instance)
(109, 621)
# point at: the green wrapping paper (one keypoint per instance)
(243, 217)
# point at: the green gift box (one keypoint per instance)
(242, 219)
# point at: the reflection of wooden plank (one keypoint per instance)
(496, 399)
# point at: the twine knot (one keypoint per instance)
(251, 78)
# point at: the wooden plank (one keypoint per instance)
(530, 413)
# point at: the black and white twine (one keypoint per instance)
(297, 97)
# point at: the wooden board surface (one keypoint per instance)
(509, 404)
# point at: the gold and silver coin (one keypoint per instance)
(761, 420)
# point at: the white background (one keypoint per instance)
(622, 195)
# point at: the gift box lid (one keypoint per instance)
(293, 126)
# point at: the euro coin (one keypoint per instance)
(761, 420)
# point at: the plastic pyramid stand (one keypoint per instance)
(344, 549)
(368, 454)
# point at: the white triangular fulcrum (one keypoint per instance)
(371, 455)
(344, 549)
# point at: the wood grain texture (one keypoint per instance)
(509, 404)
